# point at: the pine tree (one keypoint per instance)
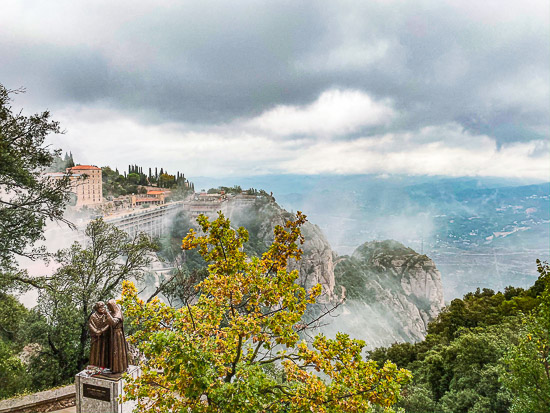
(70, 163)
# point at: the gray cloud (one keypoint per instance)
(482, 65)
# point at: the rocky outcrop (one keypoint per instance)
(391, 292)
(316, 265)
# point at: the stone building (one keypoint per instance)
(86, 184)
(152, 198)
(89, 188)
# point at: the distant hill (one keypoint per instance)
(480, 232)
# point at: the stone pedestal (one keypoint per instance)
(101, 393)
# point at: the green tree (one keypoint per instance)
(133, 178)
(459, 366)
(166, 180)
(468, 377)
(28, 199)
(87, 274)
(238, 348)
(69, 161)
(528, 362)
(13, 374)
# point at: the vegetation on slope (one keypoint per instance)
(238, 348)
(116, 184)
(487, 352)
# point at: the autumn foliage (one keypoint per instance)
(239, 347)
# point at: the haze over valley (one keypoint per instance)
(480, 232)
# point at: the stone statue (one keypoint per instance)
(108, 348)
(118, 348)
(99, 331)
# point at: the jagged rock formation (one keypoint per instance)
(316, 265)
(390, 291)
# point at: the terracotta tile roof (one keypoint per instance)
(78, 167)
(155, 192)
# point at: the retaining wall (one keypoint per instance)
(38, 402)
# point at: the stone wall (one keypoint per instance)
(45, 401)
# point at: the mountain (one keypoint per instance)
(261, 216)
(390, 292)
(480, 232)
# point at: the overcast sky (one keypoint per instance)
(228, 88)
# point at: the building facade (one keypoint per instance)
(86, 184)
(89, 185)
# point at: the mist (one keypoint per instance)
(477, 230)
(57, 236)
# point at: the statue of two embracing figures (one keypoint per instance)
(108, 348)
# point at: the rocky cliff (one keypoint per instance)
(390, 292)
(260, 217)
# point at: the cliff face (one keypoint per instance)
(316, 265)
(390, 291)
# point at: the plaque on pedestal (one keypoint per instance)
(101, 393)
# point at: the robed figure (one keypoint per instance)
(118, 348)
(100, 333)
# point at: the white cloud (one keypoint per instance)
(100, 137)
(335, 112)
(412, 153)
(110, 138)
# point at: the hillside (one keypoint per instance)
(486, 352)
(480, 232)
(390, 291)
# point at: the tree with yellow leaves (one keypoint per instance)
(238, 348)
